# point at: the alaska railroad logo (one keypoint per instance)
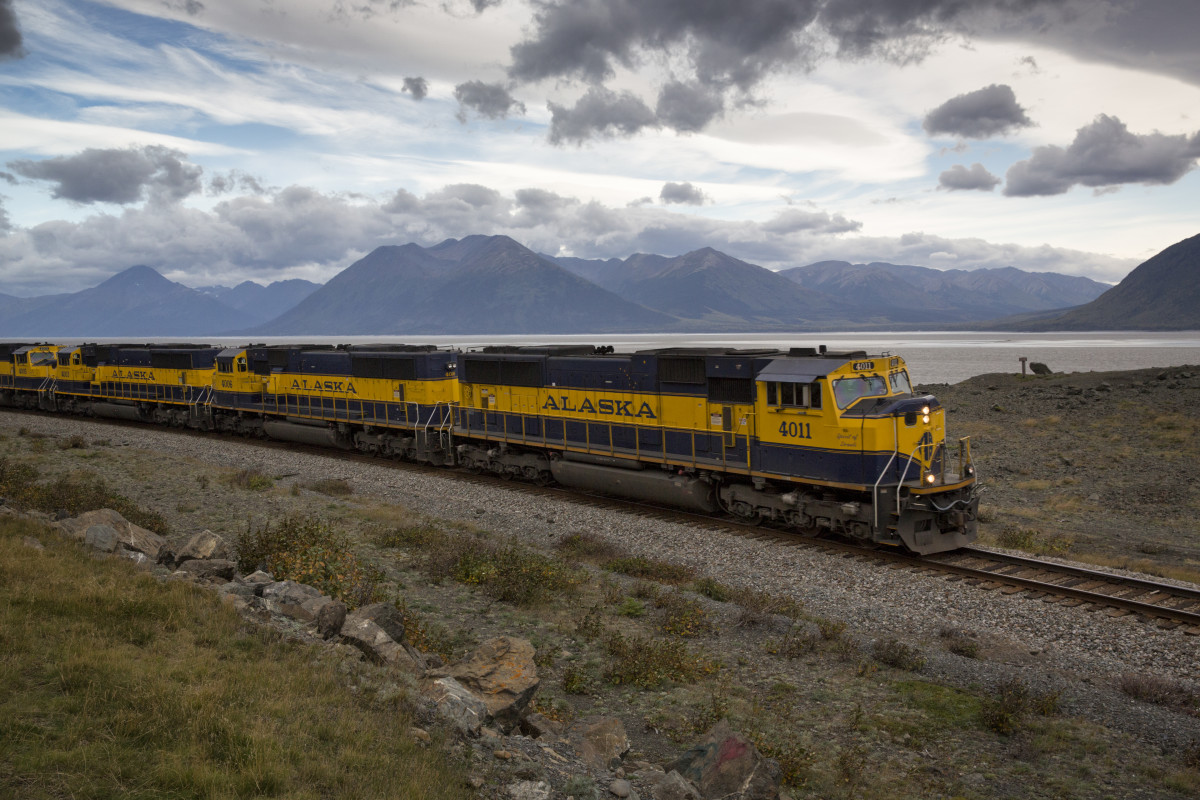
(323, 386)
(612, 408)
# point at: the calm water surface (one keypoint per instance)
(933, 357)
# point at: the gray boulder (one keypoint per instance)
(203, 546)
(674, 786)
(288, 599)
(502, 674)
(102, 537)
(364, 633)
(600, 742)
(727, 765)
(209, 569)
(130, 536)
(330, 618)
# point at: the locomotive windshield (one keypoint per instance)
(900, 383)
(847, 390)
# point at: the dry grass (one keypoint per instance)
(113, 684)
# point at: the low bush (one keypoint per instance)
(648, 663)
(333, 487)
(417, 535)
(251, 480)
(959, 643)
(74, 495)
(309, 550)
(712, 589)
(684, 617)
(1034, 541)
(650, 569)
(897, 654)
(514, 574)
(1005, 710)
(1160, 691)
(588, 546)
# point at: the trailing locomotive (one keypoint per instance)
(805, 439)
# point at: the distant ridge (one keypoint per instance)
(1161, 294)
(135, 302)
(475, 285)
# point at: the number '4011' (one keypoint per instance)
(796, 430)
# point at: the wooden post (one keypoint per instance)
(1023, 360)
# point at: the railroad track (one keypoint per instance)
(1165, 605)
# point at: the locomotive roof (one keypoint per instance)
(803, 370)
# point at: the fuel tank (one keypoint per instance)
(652, 485)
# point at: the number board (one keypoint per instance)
(863, 365)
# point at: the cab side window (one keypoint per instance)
(794, 395)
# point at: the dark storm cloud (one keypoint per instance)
(727, 43)
(976, 177)
(5, 223)
(600, 112)
(1104, 154)
(10, 33)
(490, 100)
(990, 111)
(193, 8)
(683, 193)
(417, 87)
(116, 176)
(688, 106)
(8, 178)
(483, 5)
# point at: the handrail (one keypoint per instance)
(875, 491)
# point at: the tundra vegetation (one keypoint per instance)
(185, 698)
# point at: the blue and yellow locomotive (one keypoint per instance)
(805, 439)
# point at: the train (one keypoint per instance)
(807, 439)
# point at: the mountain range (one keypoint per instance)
(494, 285)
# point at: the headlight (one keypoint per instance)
(925, 419)
(925, 411)
(931, 479)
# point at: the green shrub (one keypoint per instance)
(333, 487)
(712, 589)
(514, 574)
(308, 550)
(959, 643)
(899, 655)
(632, 607)
(588, 546)
(75, 495)
(1160, 691)
(590, 626)
(831, 630)
(651, 569)
(1011, 701)
(648, 663)
(251, 480)
(684, 617)
(418, 535)
(576, 680)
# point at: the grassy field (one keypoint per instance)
(116, 685)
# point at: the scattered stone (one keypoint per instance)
(330, 618)
(529, 790)
(288, 598)
(674, 786)
(387, 617)
(1038, 368)
(209, 569)
(502, 674)
(259, 580)
(620, 788)
(726, 764)
(29, 541)
(420, 735)
(539, 726)
(503, 755)
(599, 741)
(236, 589)
(203, 546)
(375, 644)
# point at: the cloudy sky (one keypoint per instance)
(223, 140)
